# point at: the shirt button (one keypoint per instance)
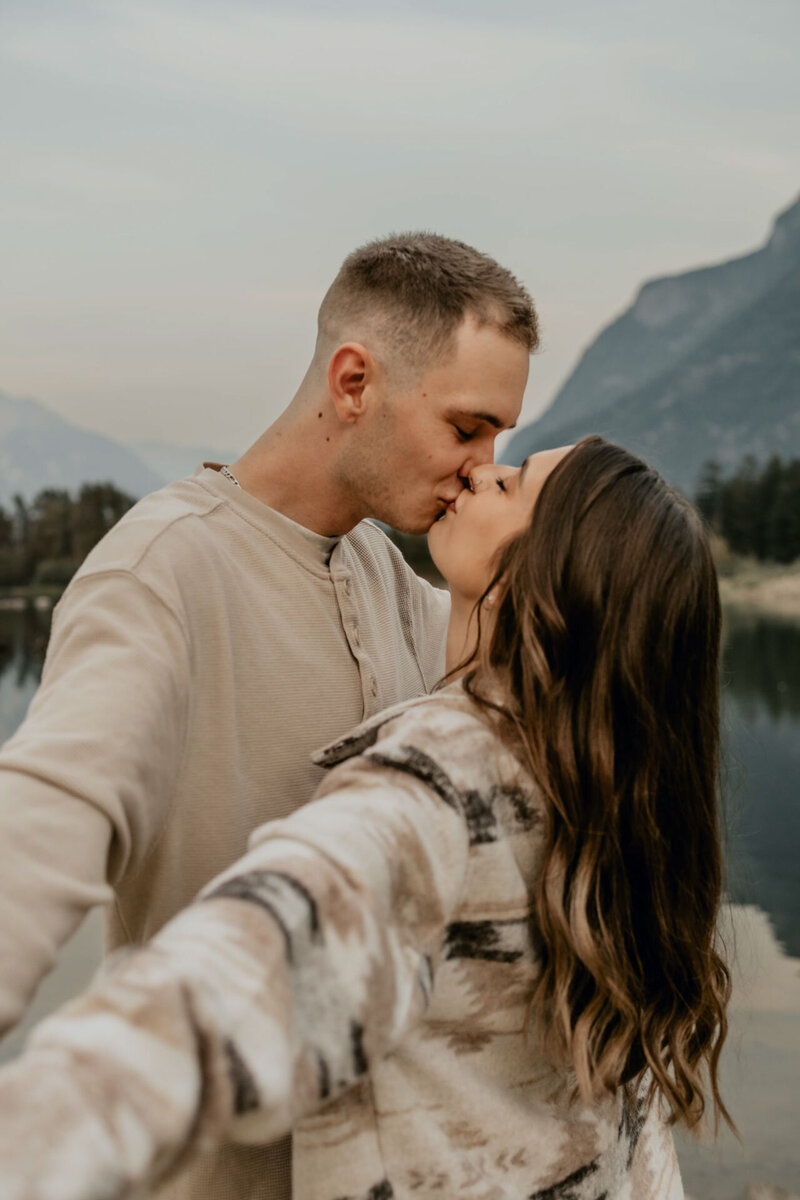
(356, 635)
(347, 586)
(373, 686)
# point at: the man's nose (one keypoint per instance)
(481, 454)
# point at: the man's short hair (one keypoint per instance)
(413, 291)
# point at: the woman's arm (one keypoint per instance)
(295, 970)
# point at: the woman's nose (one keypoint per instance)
(480, 475)
(486, 475)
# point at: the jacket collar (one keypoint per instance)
(366, 734)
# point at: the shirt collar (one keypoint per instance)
(315, 549)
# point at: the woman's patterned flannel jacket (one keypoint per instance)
(362, 976)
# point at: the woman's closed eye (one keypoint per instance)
(501, 483)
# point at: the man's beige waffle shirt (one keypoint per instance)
(206, 647)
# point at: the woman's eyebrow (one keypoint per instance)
(523, 469)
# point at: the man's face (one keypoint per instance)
(423, 441)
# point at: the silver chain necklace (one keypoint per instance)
(229, 475)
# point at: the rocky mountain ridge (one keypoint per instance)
(703, 364)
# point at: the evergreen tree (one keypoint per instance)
(708, 496)
(50, 525)
(44, 542)
(783, 526)
(97, 507)
(21, 562)
(756, 511)
(6, 530)
(769, 486)
(739, 519)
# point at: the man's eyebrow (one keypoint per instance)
(489, 418)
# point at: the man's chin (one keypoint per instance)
(418, 527)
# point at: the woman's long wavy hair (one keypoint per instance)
(605, 643)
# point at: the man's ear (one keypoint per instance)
(350, 371)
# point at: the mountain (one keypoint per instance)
(703, 365)
(39, 449)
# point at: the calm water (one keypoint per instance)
(761, 1072)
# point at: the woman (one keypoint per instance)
(483, 961)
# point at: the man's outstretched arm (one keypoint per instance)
(85, 781)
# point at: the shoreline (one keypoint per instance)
(744, 586)
(760, 588)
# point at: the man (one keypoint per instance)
(234, 621)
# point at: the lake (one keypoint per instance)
(761, 1063)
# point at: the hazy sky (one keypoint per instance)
(181, 179)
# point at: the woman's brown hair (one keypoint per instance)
(606, 643)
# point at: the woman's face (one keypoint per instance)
(464, 541)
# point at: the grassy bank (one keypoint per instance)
(771, 588)
(31, 595)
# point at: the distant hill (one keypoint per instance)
(39, 449)
(704, 364)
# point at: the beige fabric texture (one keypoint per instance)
(206, 647)
(362, 974)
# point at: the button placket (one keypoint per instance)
(343, 585)
(343, 588)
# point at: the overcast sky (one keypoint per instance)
(181, 179)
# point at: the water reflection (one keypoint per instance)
(23, 640)
(761, 720)
(762, 665)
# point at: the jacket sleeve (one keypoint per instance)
(86, 779)
(296, 969)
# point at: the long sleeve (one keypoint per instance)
(424, 612)
(85, 781)
(299, 967)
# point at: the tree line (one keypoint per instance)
(756, 510)
(44, 541)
